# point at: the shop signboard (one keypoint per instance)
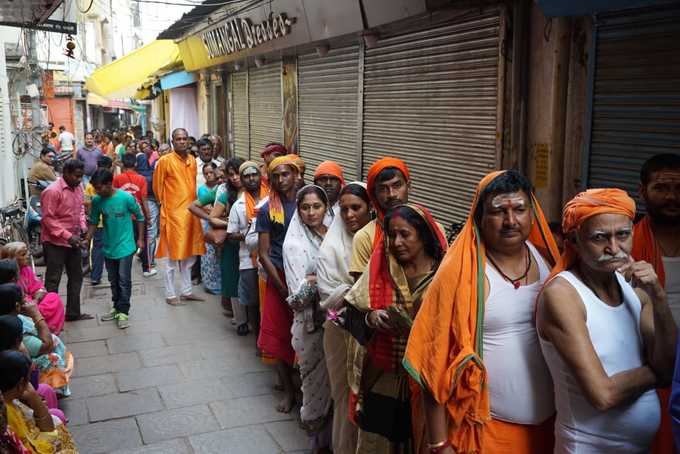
(241, 33)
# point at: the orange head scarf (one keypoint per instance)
(374, 171)
(584, 206)
(444, 350)
(276, 212)
(330, 168)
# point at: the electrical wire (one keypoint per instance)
(87, 10)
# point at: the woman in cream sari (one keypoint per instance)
(384, 401)
(334, 280)
(300, 250)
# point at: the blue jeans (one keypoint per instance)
(152, 229)
(97, 255)
(120, 276)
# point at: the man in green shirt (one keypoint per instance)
(116, 209)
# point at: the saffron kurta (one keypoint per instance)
(174, 184)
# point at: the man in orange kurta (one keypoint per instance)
(181, 236)
(656, 240)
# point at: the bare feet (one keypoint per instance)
(286, 404)
(174, 302)
(192, 297)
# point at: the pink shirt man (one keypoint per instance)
(63, 213)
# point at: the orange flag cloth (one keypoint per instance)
(645, 247)
(444, 350)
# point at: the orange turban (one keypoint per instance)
(583, 207)
(285, 160)
(330, 168)
(376, 168)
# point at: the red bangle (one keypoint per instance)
(439, 447)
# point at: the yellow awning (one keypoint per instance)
(93, 98)
(122, 78)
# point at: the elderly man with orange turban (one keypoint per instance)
(330, 177)
(606, 331)
(388, 185)
(473, 347)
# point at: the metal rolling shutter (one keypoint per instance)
(430, 98)
(636, 95)
(327, 93)
(264, 99)
(240, 122)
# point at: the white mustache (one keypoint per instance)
(608, 257)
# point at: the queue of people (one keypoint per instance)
(388, 338)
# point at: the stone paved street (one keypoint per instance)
(179, 380)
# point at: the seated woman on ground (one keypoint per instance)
(11, 335)
(46, 350)
(49, 303)
(27, 415)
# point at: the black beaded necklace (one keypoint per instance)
(515, 282)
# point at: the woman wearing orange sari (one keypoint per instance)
(384, 402)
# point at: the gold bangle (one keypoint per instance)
(41, 319)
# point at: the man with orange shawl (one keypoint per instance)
(272, 223)
(473, 346)
(388, 185)
(240, 219)
(606, 331)
(656, 240)
(181, 235)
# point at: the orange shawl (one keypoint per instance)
(645, 247)
(373, 172)
(444, 351)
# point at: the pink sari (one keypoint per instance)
(51, 306)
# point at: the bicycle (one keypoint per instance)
(12, 223)
(28, 141)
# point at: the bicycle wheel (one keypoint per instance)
(19, 233)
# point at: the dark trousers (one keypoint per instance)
(145, 250)
(56, 259)
(97, 257)
(120, 277)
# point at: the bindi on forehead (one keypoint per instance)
(510, 200)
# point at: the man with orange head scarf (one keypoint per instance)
(330, 177)
(606, 331)
(388, 185)
(656, 239)
(473, 346)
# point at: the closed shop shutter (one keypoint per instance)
(264, 99)
(328, 121)
(430, 98)
(636, 94)
(239, 99)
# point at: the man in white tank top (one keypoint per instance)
(656, 239)
(606, 331)
(518, 381)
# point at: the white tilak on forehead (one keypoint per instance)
(511, 199)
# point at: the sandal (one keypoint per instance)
(77, 318)
(242, 329)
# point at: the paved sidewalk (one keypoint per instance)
(179, 380)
